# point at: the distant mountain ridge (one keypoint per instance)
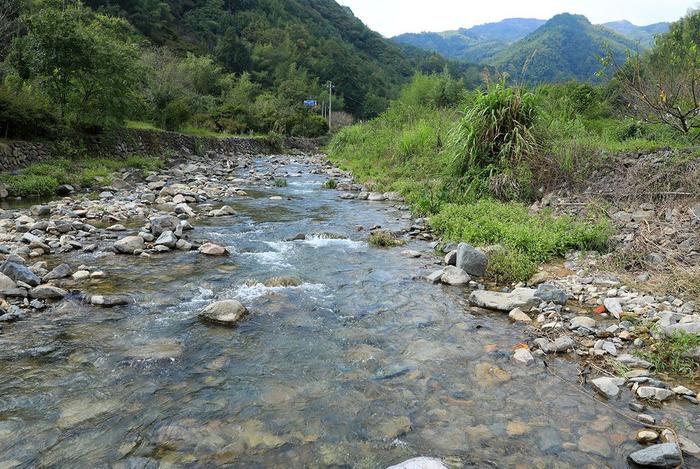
(563, 48)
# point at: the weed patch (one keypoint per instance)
(672, 354)
(384, 239)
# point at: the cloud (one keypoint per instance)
(392, 17)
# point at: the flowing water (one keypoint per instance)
(360, 364)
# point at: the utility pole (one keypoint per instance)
(330, 106)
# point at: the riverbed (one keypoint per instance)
(357, 362)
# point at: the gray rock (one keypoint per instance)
(633, 362)
(607, 386)
(6, 283)
(62, 271)
(663, 455)
(691, 327)
(562, 344)
(583, 321)
(167, 239)
(657, 394)
(109, 300)
(522, 298)
(228, 312)
(434, 277)
(129, 245)
(40, 210)
(550, 293)
(455, 276)
(613, 306)
(20, 273)
(471, 260)
(64, 190)
(420, 463)
(163, 223)
(451, 258)
(47, 292)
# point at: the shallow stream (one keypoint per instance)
(361, 365)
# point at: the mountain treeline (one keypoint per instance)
(232, 66)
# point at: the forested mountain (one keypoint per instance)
(273, 38)
(567, 47)
(644, 34)
(477, 44)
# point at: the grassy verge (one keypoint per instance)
(193, 131)
(672, 354)
(42, 179)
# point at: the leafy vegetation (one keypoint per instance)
(383, 239)
(42, 179)
(672, 354)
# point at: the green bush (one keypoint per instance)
(308, 125)
(496, 134)
(531, 239)
(31, 185)
(24, 115)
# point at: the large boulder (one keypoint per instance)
(227, 312)
(129, 245)
(471, 260)
(663, 455)
(690, 327)
(522, 298)
(163, 223)
(20, 273)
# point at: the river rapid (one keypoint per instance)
(358, 363)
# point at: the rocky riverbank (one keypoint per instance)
(583, 308)
(573, 310)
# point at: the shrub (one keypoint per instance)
(497, 131)
(531, 239)
(25, 115)
(280, 182)
(31, 185)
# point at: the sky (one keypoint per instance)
(392, 17)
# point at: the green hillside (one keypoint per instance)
(566, 48)
(477, 44)
(267, 37)
(643, 34)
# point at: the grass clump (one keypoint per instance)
(672, 354)
(279, 182)
(330, 184)
(529, 239)
(28, 185)
(384, 239)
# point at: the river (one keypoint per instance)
(359, 363)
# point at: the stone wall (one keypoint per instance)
(128, 142)
(14, 155)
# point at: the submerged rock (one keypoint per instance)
(420, 463)
(663, 455)
(47, 292)
(227, 312)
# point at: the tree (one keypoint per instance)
(9, 11)
(663, 85)
(84, 63)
